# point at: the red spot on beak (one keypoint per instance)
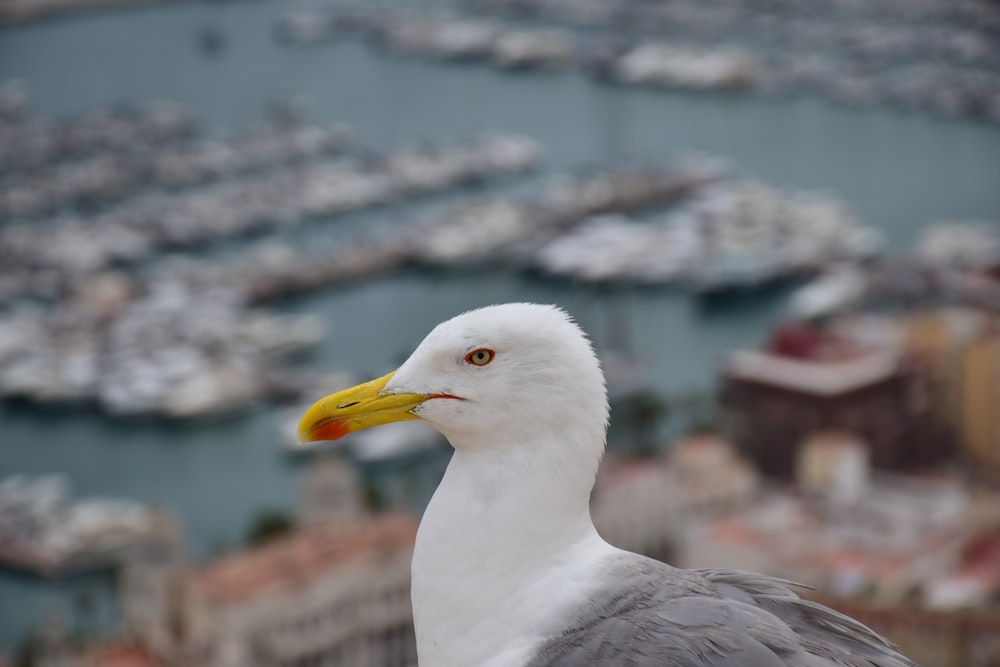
(329, 429)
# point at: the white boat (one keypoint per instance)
(838, 289)
(960, 244)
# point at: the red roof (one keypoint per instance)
(292, 562)
(807, 342)
(799, 341)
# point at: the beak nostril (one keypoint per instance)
(347, 405)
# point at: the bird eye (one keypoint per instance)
(480, 356)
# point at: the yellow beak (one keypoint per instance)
(356, 408)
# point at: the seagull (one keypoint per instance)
(508, 569)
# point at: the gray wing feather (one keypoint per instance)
(820, 631)
(652, 615)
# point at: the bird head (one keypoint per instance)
(511, 373)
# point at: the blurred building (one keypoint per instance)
(980, 390)
(635, 507)
(119, 654)
(709, 476)
(960, 349)
(330, 489)
(906, 555)
(810, 379)
(335, 591)
(331, 593)
(642, 505)
(834, 466)
(886, 545)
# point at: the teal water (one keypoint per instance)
(897, 171)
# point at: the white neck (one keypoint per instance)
(503, 544)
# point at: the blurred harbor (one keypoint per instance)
(935, 57)
(47, 533)
(213, 212)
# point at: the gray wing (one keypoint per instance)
(652, 615)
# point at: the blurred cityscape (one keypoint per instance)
(778, 219)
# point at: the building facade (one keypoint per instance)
(959, 350)
(333, 591)
(330, 593)
(774, 399)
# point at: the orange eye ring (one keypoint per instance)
(481, 356)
